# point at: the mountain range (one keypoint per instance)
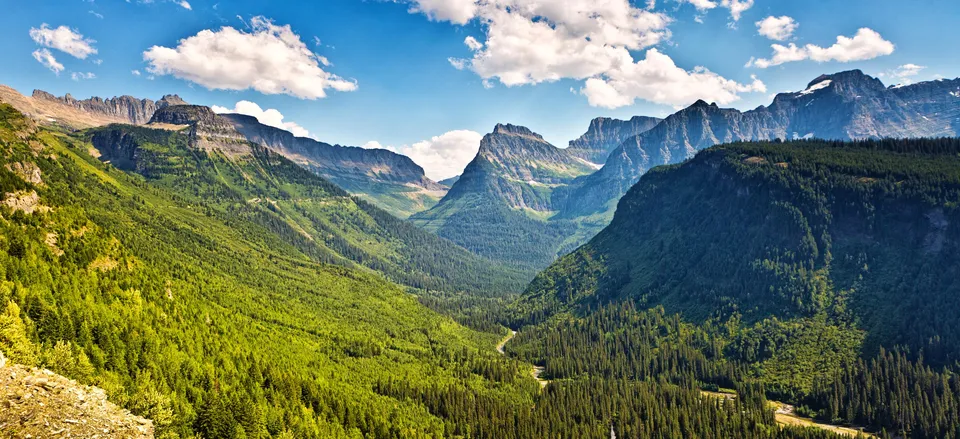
(539, 220)
(390, 180)
(847, 105)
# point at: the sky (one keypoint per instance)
(427, 78)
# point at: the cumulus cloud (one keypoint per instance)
(736, 7)
(185, 5)
(454, 11)
(43, 56)
(529, 42)
(777, 28)
(866, 44)
(442, 156)
(657, 78)
(270, 117)
(903, 74)
(78, 76)
(63, 39)
(135, 72)
(271, 59)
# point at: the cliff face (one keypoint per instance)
(126, 108)
(606, 134)
(208, 131)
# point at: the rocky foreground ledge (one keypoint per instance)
(37, 403)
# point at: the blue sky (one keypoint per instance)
(387, 74)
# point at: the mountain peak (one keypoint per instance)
(515, 130)
(170, 100)
(702, 103)
(850, 79)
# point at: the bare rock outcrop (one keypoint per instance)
(37, 403)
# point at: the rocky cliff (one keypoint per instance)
(208, 130)
(605, 134)
(126, 108)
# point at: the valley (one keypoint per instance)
(222, 278)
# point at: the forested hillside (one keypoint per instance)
(211, 324)
(824, 270)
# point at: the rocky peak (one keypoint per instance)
(169, 100)
(515, 130)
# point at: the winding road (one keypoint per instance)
(535, 371)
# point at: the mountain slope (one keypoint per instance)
(245, 180)
(390, 180)
(853, 234)
(501, 204)
(846, 105)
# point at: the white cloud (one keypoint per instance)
(473, 44)
(77, 76)
(458, 63)
(185, 5)
(96, 14)
(736, 7)
(866, 44)
(271, 59)
(657, 78)
(703, 5)
(777, 28)
(63, 39)
(442, 156)
(454, 11)
(43, 56)
(529, 42)
(904, 74)
(271, 117)
(135, 72)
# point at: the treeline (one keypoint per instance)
(891, 394)
(591, 408)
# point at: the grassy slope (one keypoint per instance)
(208, 323)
